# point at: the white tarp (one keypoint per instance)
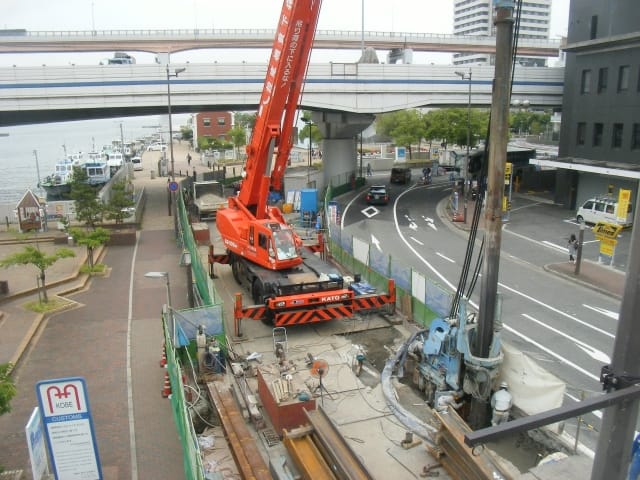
(534, 389)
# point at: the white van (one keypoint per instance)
(137, 163)
(604, 209)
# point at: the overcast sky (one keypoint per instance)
(421, 16)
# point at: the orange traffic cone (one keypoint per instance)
(163, 360)
(166, 390)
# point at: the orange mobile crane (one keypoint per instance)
(289, 284)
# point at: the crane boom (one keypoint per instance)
(289, 284)
(278, 103)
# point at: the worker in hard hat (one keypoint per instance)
(501, 403)
(446, 399)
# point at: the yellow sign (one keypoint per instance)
(607, 248)
(507, 173)
(624, 196)
(606, 230)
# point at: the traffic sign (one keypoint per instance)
(173, 186)
(68, 425)
(606, 230)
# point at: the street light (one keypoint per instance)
(169, 307)
(177, 71)
(466, 76)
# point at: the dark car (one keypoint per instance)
(377, 195)
(400, 175)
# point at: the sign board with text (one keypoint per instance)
(606, 230)
(69, 431)
(37, 448)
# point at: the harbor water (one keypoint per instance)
(20, 145)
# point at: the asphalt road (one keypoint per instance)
(566, 328)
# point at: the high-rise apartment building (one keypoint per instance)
(475, 17)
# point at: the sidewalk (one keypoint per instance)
(135, 429)
(592, 275)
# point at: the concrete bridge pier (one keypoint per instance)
(339, 146)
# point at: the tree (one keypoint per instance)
(186, 132)
(526, 122)
(7, 388)
(238, 137)
(89, 209)
(31, 255)
(309, 130)
(405, 127)
(119, 203)
(245, 120)
(91, 239)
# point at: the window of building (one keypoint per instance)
(597, 134)
(616, 137)
(206, 122)
(623, 78)
(635, 137)
(603, 73)
(221, 121)
(593, 31)
(582, 133)
(585, 85)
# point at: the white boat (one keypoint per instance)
(58, 185)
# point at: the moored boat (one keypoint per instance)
(57, 185)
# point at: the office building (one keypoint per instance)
(475, 17)
(599, 151)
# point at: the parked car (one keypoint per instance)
(604, 209)
(377, 195)
(157, 147)
(400, 175)
(137, 163)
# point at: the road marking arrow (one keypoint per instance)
(594, 353)
(588, 349)
(376, 242)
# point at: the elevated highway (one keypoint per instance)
(172, 41)
(47, 94)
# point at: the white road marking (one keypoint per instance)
(552, 353)
(376, 242)
(445, 257)
(606, 313)
(417, 241)
(553, 245)
(559, 312)
(588, 349)
(370, 211)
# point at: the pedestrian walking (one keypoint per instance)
(368, 169)
(188, 159)
(572, 246)
(501, 403)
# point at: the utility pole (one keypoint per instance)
(619, 421)
(498, 139)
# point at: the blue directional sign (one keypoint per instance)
(173, 186)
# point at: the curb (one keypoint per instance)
(40, 317)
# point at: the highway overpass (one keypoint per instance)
(47, 93)
(172, 41)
